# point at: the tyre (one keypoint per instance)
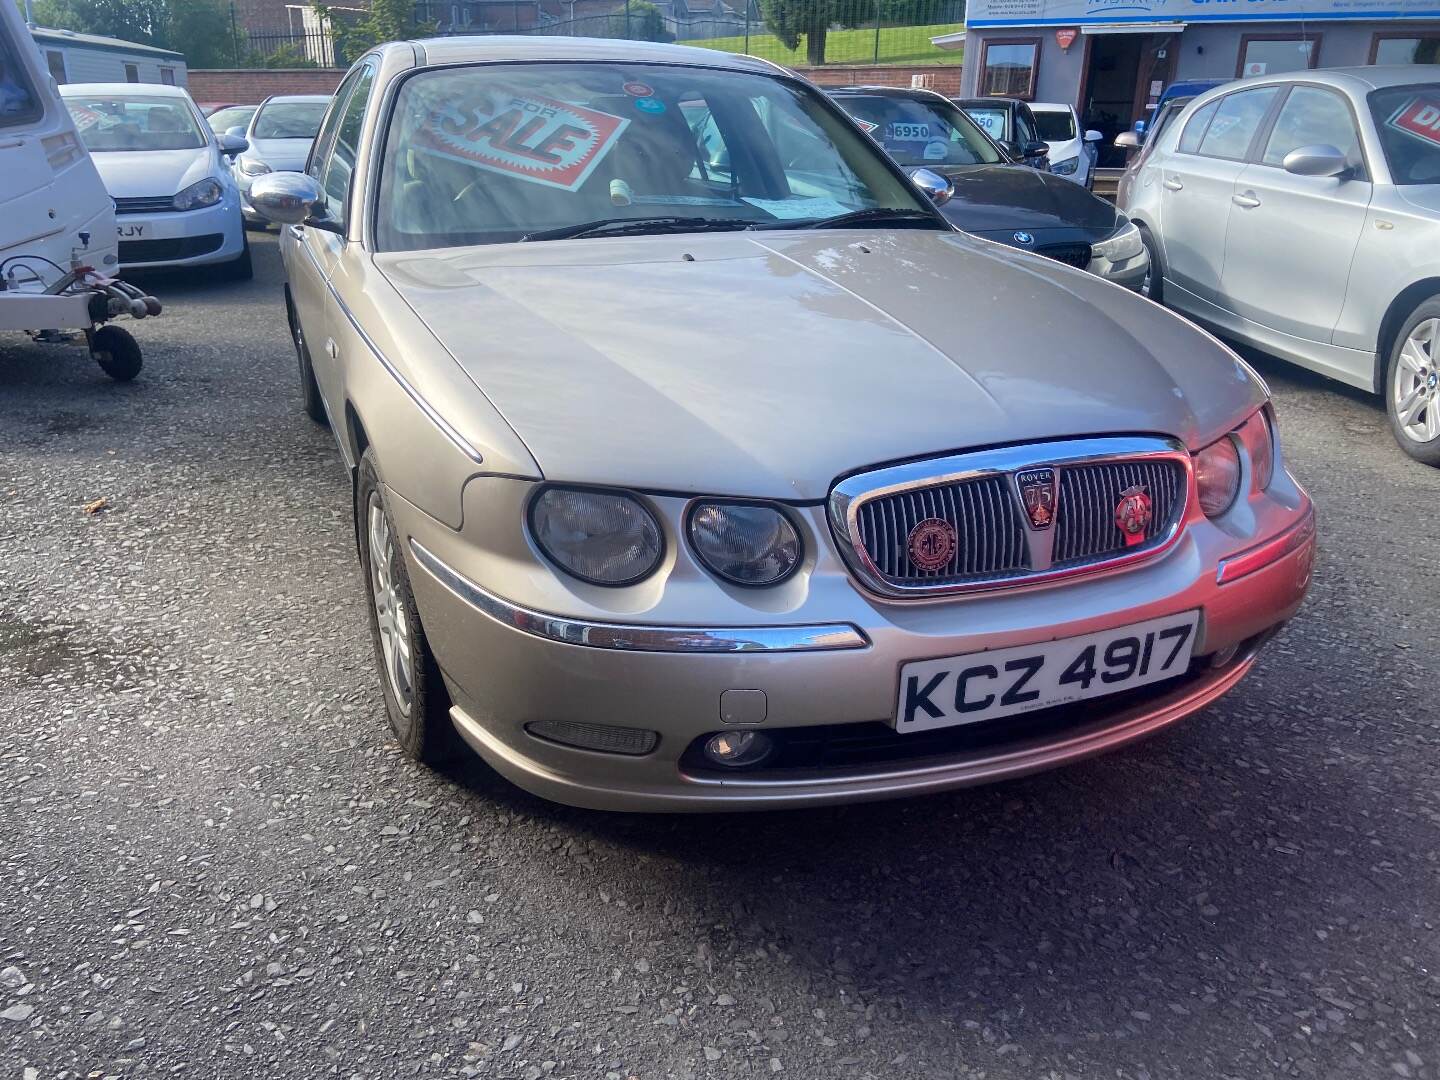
(309, 388)
(241, 269)
(416, 701)
(117, 352)
(1412, 383)
(1153, 287)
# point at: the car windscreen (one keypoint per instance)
(992, 121)
(921, 132)
(1055, 126)
(222, 120)
(108, 123)
(1408, 120)
(18, 101)
(289, 119)
(495, 153)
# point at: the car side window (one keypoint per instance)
(341, 164)
(1028, 131)
(1312, 117)
(1234, 124)
(1196, 127)
(320, 150)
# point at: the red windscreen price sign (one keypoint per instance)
(1419, 117)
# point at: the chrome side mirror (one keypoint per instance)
(1126, 140)
(1091, 135)
(291, 198)
(231, 144)
(238, 132)
(1319, 160)
(938, 188)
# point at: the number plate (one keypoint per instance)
(1002, 682)
(129, 232)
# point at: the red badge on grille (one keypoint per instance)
(932, 544)
(1132, 515)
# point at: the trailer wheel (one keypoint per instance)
(117, 352)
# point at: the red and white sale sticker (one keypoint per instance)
(865, 125)
(536, 139)
(84, 118)
(1419, 117)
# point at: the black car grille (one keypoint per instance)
(183, 247)
(992, 539)
(1069, 254)
(145, 205)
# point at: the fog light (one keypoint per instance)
(1224, 656)
(736, 749)
(605, 738)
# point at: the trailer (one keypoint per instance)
(72, 57)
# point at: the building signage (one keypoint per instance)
(1066, 38)
(983, 13)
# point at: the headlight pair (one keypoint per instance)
(1217, 467)
(201, 194)
(610, 538)
(1125, 244)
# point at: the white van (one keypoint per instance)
(58, 242)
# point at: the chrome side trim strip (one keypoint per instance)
(671, 639)
(423, 405)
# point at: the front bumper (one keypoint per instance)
(213, 234)
(509, 665)
(1127, 272)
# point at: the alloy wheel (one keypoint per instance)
(390, 614)
(1416, 383)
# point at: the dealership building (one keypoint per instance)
(1112, 58)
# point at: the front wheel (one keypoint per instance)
(309, 388)
(1412, 384)
(117, 352)
(416, 702)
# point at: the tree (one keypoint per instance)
(387, 20)
(789, 20)
(639, 20)
(198, 28)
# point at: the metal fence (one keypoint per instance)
(797, 33)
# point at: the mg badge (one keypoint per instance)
(1024, 239)
(1133, 514)
(1038, 493)
(932, 544)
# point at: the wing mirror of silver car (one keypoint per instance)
(937, 187)
(1319, 160)
(1091, 135)
(1126, 140)
(291, 198)
(232, 144)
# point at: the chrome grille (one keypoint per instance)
(1085, 526)
(990, 537)
(149, 204)
(996, 543)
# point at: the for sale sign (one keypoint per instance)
(1419, 117)
(536, 139)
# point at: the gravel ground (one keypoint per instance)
(213, 861)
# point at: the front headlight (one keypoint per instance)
(1066, 167)
(1217, 476)
(206, 192)
(1258, 438)
(1125, 244)
(253, 167)
(601, 537)
(745, 543)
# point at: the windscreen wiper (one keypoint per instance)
(875, 215)
(625, 226)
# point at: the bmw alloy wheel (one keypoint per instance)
(390, 616)
(1415, 384)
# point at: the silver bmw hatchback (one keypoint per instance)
(694, 463)
(1301, 213)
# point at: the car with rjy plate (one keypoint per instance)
(705, 474)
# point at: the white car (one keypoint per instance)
(279, 136)
(1071, 154)
(176, 202)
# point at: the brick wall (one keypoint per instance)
(246, 86)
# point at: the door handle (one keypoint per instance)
(1248, 200)
(331, 349)
(296, 230)
(1172, 184)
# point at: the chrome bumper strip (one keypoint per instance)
(672, 639)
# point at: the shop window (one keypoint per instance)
(1405, 48)
(1272, 54)
(1007, 67)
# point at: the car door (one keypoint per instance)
(1291, 239)
(336, 168)
(303, 247)
(1028, 132)
(1197, 181)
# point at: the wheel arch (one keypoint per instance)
(358, 441)
(1409, 298)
